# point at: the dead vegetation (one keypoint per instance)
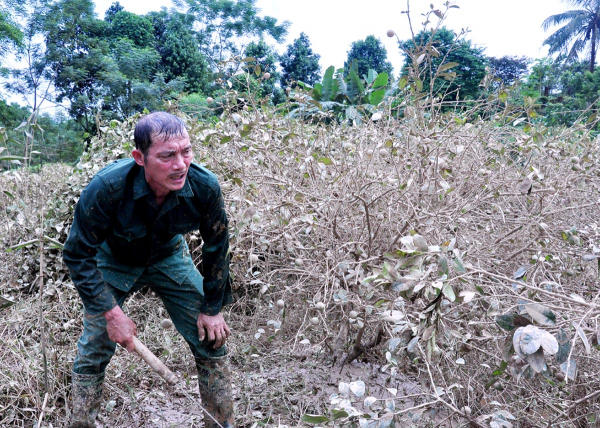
(416, 241)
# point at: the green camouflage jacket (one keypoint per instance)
(118, 213)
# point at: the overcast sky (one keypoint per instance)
(507, 27)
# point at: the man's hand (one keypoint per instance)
(214, 328)
(120, 328)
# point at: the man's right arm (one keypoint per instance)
(91, 222)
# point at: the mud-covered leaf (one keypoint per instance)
(564, 346)
(537, 361)
(506, 321)
(520, 273)
(369, 401)
(540, 313)
(524, 186)
(530, 339)
(5, 303)
(344, 389)
(458, 264)
(358, 388)
(443, 266)
(508, 349)
(516, 342)
(411, 348)
(569, 368)
(467, 296)
(549, 343)
(583, 337)
(577, 297)
(428, 332)
(510, 321)
(449, 292)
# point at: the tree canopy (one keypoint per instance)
(509, 69)
(300, 63)
(224, 22)
(430, 51)
(369, 54)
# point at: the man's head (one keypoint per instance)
(163, 148)
(157, 125)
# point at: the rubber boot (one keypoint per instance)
(215, 389)
(86, 393)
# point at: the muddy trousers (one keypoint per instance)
(182, 301)
(87, 397)
(214, 383)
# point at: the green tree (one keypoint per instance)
(77, 52)
(509, 69)
(31, 80)
(369, 54)
(300, 63)
(138, 29)
(110, 13)
(266, 59)
(543, 79)
(430, 51)
(224, 22)
(579, 31)
(125, 83)
(11, 35)
(177, 45)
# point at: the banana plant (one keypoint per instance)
(349, 97)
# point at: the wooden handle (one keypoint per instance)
(153, 361)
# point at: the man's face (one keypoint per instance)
(166, 163)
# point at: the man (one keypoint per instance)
(127, 235)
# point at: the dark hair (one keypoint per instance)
(158, 123)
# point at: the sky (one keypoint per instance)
(507, 27)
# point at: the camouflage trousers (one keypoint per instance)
(182, 300)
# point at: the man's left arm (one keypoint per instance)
(215, 265)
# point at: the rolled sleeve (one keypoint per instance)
(215, 257)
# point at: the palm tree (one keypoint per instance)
(580, 30)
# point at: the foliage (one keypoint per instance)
(76, 53)
(55, 139)
(266, 59)
(430, 51)
(137, 29)
(299, 63)
(32, 82)
(129, 84)
(444, 259)
(543, 78)
(177, 45)
(509, 69)
(11, 35)
(347, 99)
(397, 223)
(580, 30)
(224, 22)
(369, 54)
(110, 13)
